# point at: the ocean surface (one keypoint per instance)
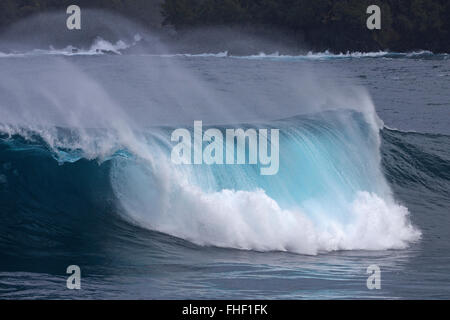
(86, 177)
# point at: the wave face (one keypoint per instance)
(330, 192)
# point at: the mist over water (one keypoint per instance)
(104, 105)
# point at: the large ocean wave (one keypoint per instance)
(69, 148)
(330, 193)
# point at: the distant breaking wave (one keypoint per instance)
(98, 47)
(101, 46)
(326, 55)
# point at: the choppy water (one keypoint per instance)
(91, 197)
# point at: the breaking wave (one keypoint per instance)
(330, 192)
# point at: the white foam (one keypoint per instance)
(315, 55)
(198, 55)
(251, 220)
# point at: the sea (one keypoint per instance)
(86, 177)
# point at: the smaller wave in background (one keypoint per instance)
(101, 46)
(326, 55)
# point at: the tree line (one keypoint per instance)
(338, 25)
(144, 11)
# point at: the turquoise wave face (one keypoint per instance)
(327, 157)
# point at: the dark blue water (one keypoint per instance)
(61, 203)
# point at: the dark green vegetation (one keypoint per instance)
(147, 12)
(335, 24)
(339, 25)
